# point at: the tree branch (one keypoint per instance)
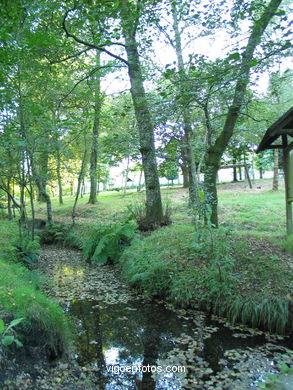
(88, 44)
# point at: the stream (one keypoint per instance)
(128, 342)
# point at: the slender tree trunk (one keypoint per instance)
(276, 170)
(79, 182)
(31, 195)
(126, 175)
(43, 174)
(187, 127)
(13, 198)
(234, 170)
(9, 200)
(95, 134)
(40, 185)
(260, 172)
(215, 152)
(59, 178)
(154, 209)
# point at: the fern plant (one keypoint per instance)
(107, 242)
(27, 250)
(8, 339)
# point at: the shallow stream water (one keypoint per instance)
(119, 332)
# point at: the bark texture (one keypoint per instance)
(154, 210)
(95, 134)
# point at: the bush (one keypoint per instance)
(54, 233)
(107, 242)
(27, 251)
(137, 211)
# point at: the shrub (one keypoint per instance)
(107, 242)
(137, 211)
(27, 251)
(54, 233)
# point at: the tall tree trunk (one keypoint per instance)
(43, 193)
(185, 176)
(154, 209)
(31, 195)
(59, 178)
(187, 127)
(9, 210)
(276, 170)
(95, 133)
(215, 152)
(126, 174)
(260, 172)
(79, 183)
(234, 170)
(43, 174)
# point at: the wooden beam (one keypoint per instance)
(289, 147)
(288, 170)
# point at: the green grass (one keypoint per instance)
(225, 278)
(255, 289)
(261, 213)
(20, 296)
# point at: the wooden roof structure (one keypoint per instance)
(283, 127)
(280, 136)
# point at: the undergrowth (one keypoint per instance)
(44, 324)
(199, 269)
(106, 242)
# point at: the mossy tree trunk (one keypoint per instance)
(215, 151)
(129, 22)
(95, 133)
(187, 124)
(59, 178)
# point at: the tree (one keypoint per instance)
(215, 151)
(130, 13)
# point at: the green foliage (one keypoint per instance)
(73, 240)
(137, 210)
(20, 297)
(27, 250)
(199, 269)
(8, 339)
(274, 381)
(288, 244)
(107, 242)
(54, 233)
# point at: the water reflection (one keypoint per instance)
(135, 334)
(126, 335)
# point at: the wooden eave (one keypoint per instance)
(283, 127)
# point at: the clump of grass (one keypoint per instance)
(137, 211)
(288, 244)
(193, 269)
(45, 324)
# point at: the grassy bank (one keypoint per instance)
(44, 323)
(217, 271)
(240, 271)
